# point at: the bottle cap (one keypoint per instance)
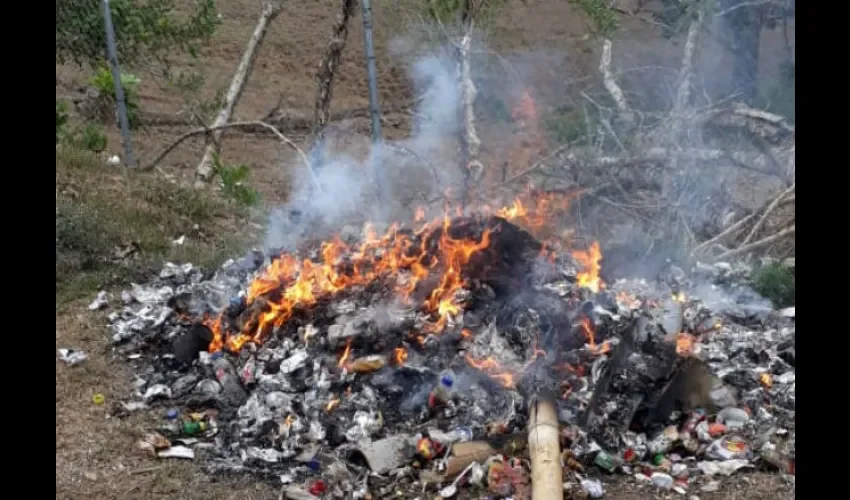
(447, 380)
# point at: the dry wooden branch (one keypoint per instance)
(271, 9)
(249, 124)
(545, 449)
(767, 211)
(757, 244)
(660, 154)
(781, 200)
(610, 82)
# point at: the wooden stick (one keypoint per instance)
(545, 448)
(757, 244)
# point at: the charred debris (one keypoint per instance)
(396, 354)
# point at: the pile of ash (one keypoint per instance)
(388, 354)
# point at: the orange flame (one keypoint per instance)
(400, 355)
(343, 359)
(492, 368)
(685, 344)
(590, 262)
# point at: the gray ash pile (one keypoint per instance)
(384, 353)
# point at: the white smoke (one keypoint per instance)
(348, 193)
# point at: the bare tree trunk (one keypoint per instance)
(325, 76)
(683, 90)
(470, 144)
(271, 9)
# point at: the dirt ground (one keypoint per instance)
(94, 453)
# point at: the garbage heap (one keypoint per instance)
(367, 366)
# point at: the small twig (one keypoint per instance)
(768, 210)
(534, 167)
(757, 244)
(255, 123)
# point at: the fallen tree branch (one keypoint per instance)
(248, 124)
(767, 211)
(660, 154)
(757, 244)
(271, 9)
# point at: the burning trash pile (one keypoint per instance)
(428, 354)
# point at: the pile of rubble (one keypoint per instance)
(416, 356)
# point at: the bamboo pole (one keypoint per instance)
(545, 448)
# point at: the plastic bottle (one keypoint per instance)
(444, 390)
(232, 390)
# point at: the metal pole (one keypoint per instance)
(112, 58)
(374, 111)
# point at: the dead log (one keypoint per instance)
(327, 71)
(270, 11)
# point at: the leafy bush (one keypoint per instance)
(601, 15)
(775, 282)
(144, 30)
(103, 82)
(232, 182)
(61, 120)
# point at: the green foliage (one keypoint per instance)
(103, 82)
(601, 14)
(61, 120)
(144, 30)
(92, 138)
(232, 182)
(564, 128)
(775, 282)
(443, 11)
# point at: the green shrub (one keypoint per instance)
(145, 30)
(103, 82)
(92, 138)
(232, 182)
(775, 282)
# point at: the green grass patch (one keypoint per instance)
(101, 212)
